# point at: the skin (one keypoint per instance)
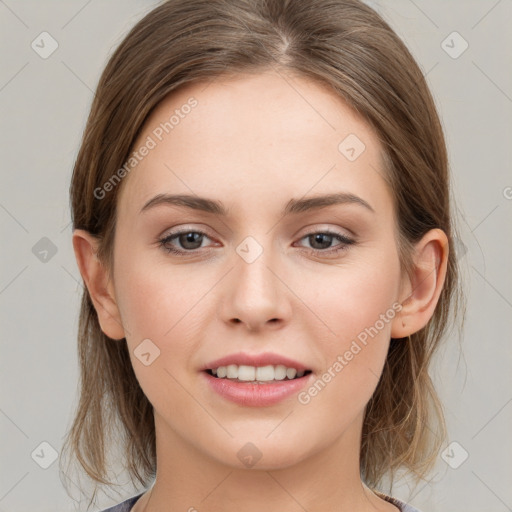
(254, 143)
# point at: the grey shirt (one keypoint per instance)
(127, 505)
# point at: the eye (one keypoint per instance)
(321, 240)
(188, 239)
(191, 241)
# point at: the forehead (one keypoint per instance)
(255, 134)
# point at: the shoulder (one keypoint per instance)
(126, 505)
(402, 506)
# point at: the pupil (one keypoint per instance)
(190, 237)
(318, 238)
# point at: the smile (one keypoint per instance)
(257, 374)
(256, 386)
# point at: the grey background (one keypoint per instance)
(44, 104)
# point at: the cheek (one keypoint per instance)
(356, 303)
(364, 295)
(155, 299)
(352, 296)
(161, 304)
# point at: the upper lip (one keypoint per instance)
(264, 359)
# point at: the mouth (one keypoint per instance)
(269, 374)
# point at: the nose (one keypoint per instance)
(256, 295)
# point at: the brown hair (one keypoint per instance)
(344, 45)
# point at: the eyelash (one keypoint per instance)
(343, 246)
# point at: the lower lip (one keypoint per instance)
(256, 395)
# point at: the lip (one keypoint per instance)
(264, 359)
(256, 395)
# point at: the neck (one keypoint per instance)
(190, 480)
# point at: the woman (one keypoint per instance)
(262, 222)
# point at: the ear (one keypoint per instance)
(421, 290)
(98, 283)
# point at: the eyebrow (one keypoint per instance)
(294, 206)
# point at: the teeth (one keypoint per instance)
(242, 372)
(265, 373)
(232, 371)
(291, 372)
(257, 373)
(279, 372)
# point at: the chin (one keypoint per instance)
(261, 454)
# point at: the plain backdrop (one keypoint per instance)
(43, 107)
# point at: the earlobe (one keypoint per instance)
(423, 288)
(98, 283)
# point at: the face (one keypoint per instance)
(273, 273)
